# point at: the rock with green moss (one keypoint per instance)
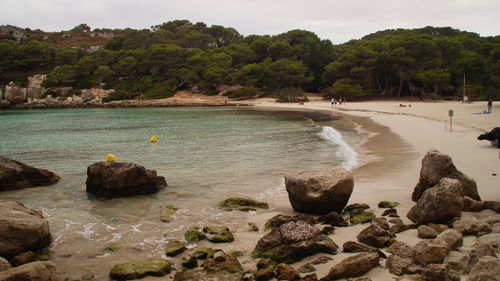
(140, 269)
(174, 247)
(111, 247)
(229, 263)
(194, 235)
(235, 253)
(362, 217)
(221, 237)
(354, 206)
(190, 262)
(215, 229)
(242, 204)
(202, 253)
(252, 227)
(167, 212)
(387, 204)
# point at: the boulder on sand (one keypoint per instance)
(22, 229)
(320, 192)
(111, 179)
(16, 175)
(439, 203)
(436, 166)
(33, 271)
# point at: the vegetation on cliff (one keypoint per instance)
(177, 55)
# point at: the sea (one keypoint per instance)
(206, 154)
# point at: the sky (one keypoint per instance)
(338, 21)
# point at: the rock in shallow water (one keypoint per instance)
(111, 179)
(16, 175)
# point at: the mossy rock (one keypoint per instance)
(362, 218)
(167, 212)
(191, 262)
(174, 247)
(235, 253)
(140, 269)
(269, 254)
(387, 204)
(222, 237)
(111, 247)
(194, 235)
(202, 253)
(242, 204)
(252, 227)
(354, 206)
(215, 229)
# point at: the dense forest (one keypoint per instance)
(429, 62)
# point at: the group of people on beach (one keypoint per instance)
(340, 101)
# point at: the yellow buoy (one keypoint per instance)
(110, 158)
(154, 139)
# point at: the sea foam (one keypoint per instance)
(345, 151)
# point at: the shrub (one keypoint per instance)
(243, 93)
(290, 94)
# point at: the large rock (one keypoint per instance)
(353, 266)
(110, 179)
(281, 248)
(15, 175)
(320, 192)
(34, 271)
(436, 166)
(439, 203)
(22, 229)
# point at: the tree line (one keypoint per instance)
(154, 63)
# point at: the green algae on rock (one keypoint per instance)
(174, 247)
(140, 269)
(242, 204)
(167, 212)
(194, 235)
(362, 217)
(387, 204)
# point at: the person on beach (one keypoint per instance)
(334, 102)
(490, 105)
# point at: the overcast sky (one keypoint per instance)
(336, 20)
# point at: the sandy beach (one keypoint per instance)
(397, 140)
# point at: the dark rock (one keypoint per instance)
(286, 272)
(438, 204)
(203, 275)
(425, 232)
(387, 204)
(33, 271)
(140, 269)
(219, 256)
(218, 234)
(436, 166)
(322, 260)
(397, 228)
(194, 235)
(264, 274)
(327, 230)
(278, 220)
(355, 247)
(111, 179)
(247, 276)
(174, 247)
(391, 213)
(486, 269)
(397, 264)
(492, 205)
(320, 192)
(202, 253)
(242, 204)
(264, 263)
(378, 234)
(252, 227)
(353, 266)
(333, 218)
(23, 258)
(22, 229)
(306, 268)
(190, 262)
(16, 175)
(471, 205)
(472, 226)
(229, 264)
(439, 272)
(273, 246)
(310, 277)
(430, 251)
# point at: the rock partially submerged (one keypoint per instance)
(140, 269)
(242, 204)
(22, 229)
(436, 166)
(111, 179)
(15, 175)
(320, 192)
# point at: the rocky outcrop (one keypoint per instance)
(353, 266)
(436, 166)
(140, 269)
(18, 94)
(22, 230)
(34, 271)
(110, 179)
(15, 175)
(439, 203)
(320, 192)
(282, 248)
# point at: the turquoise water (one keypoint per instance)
(205, 154)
